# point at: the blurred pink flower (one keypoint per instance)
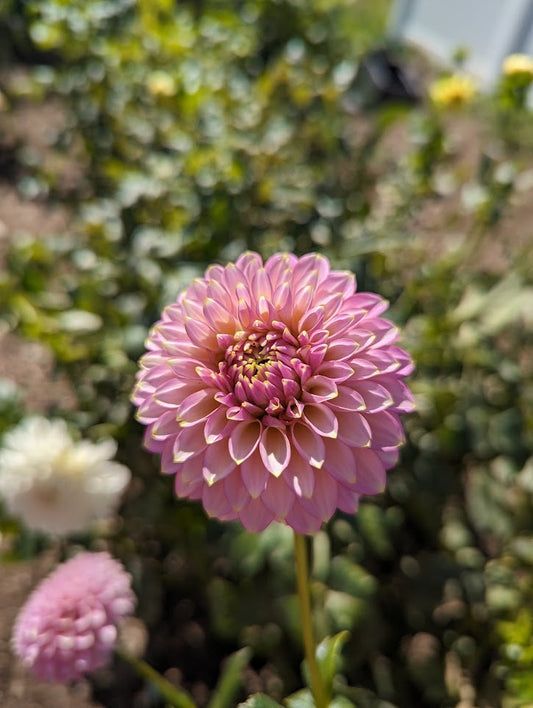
(68, 626)
(273, 392)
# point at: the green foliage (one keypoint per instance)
(328, 658)
(259, 700)
(230, 679)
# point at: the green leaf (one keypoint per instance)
(230, 680)
(328, 656)
(301, 699)
(304, 699)
(259, 700)
(341, 702)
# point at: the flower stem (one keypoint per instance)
(304, 596)
(175, 696)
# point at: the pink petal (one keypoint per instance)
(339, 324)
(386, 332)
(217, 292)
(319, 388)
(376, 396)
(364, 369)
(348, 400)
(316, 355)
(244, 439)
(255, 516)
(347, 499)
(301, 303)
(254, 475)
(149, 410)
(386, 429)
(311, 319)
(300, 476)
(324, 500)
(218, 463)
(191, 469)
(340, 461)
(311, 269)
(275, 450)
(279, 267)
(249, 263)
(172, 393)
(281, 296)
(216, 425)
(150, 443)
(388, 456)
(354, 430)
(199, 333)
(321, 420)
(340, 349)
(402, 397)
(331, 303)
(337, 371)
(165, 425)
(185, 368)
(189, 442)
(339, 282)
(277, 496)
(370, 473)
(168, 466)
(237, 494)
(309, 444)
(190, 489)
(156, 376)
(197, 407)
(369, 303)
(218, 317)
(261, 285)
(301, 520)
(216, 503)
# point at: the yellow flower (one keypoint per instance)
(160, 83)
(452, 91)
(518, 65)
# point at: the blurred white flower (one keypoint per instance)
(55, 484)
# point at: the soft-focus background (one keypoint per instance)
(141, 141)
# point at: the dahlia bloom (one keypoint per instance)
(273, 391)
(55, 484)
(68, 626)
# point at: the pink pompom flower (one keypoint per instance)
(68, 626)
(273, 391)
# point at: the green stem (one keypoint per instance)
(304, 596)
(175, 696)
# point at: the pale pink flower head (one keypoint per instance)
(68, 626)
(273, 391)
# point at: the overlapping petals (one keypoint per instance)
(69, 624)
(273, 391)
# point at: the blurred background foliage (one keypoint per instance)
(194, 130)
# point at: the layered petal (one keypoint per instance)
(273, 391)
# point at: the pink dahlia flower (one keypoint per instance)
(69, 624)
(273, 391)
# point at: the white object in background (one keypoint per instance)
(489, 30)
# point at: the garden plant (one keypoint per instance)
(295, 464)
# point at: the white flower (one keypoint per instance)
(55, 484)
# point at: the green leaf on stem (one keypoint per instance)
(259, 700)
(342, 702)
(230, 680)
(301, 699)
(328, 657)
